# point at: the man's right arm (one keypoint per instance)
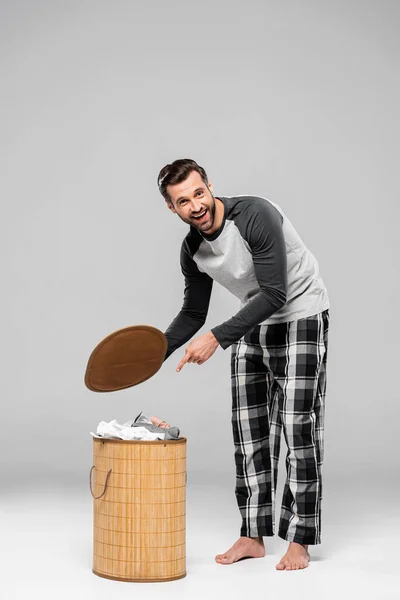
(193, 313)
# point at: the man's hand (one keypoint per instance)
(199, 350)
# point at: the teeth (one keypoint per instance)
(198, 216)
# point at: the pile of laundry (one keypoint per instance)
(141, 428)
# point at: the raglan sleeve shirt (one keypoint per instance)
(261, 226)
(197, 293)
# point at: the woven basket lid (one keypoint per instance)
(125, 358)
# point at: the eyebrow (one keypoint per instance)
(184, 197)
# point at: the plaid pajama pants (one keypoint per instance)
(278, 382)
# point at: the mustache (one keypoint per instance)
(207, 209)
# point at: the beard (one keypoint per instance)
(209, 222)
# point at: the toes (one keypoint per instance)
(225, 559)
(221, 558)
(291, 565)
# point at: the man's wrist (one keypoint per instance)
(213, 338)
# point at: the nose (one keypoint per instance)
(196, 208)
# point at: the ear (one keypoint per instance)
(210, 186)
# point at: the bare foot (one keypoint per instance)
(296, 557)
(244, 547)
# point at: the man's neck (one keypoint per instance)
(218, 218)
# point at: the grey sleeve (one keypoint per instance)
(193, 313)
(260, 224)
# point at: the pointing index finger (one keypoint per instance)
(183, 361)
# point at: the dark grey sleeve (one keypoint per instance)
(193, 313)
(260, 224)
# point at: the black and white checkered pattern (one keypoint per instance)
(279, 382)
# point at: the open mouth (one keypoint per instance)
(201, 216)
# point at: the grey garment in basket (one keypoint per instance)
(171, 433)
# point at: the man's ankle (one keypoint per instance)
(299, 544)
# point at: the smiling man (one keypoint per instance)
(279, 346)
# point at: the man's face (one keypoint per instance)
(191, 198)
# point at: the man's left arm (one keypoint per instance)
(262, 229)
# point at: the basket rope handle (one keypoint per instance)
(105, 485)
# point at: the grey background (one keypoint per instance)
(295, 101)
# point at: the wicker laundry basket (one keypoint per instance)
(139, 491)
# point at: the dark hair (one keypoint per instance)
(177, 172)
